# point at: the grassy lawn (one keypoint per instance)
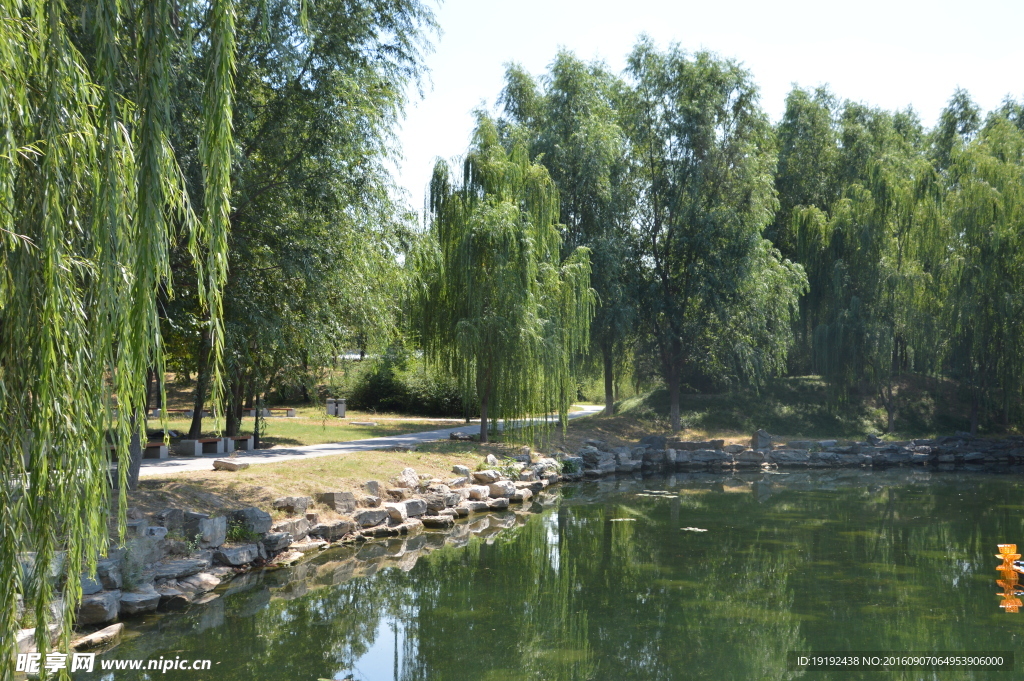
(260, 484)
(311, 426)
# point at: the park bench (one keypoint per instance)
(271, 412)
(234, 443)
(186, 413)
(151, 450)
(206, 445)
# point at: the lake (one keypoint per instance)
(694, 576)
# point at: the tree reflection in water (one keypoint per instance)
(846, 560)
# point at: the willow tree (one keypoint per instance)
(92, 195)
(571, 120)
(703, 156)
(985, 275)
(495, 302)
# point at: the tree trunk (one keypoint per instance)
(974, 411)
(234, 410)
(483, 418)
(673, 390)
(135, 452)
(609, 381)
(202, 378)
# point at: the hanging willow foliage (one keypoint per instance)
(91, 195)
(496, 305)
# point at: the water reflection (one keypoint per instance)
(835, 560)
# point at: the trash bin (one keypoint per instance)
(330, 407)
(339, 406)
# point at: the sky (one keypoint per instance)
(887, 53)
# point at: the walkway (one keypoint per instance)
(177, 464)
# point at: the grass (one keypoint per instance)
(311, 426)
(801, 407)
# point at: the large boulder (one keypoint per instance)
(236, 555)
(415, 507)
(211, 532)
(655, 441)
(297, 527)
(176, 569)
(486, 477)
(461, 471)
(143, 599)
(253, 519)
(200, 582)
(478, 492)
(504, 488)
(762, 439)
(98, 608)
(397, 512)
(333, 530)
(370, 517)
(277, 541)
(293, 505)
(408, 479)
(171, 518)
(341, 502)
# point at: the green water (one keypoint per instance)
(605, 583)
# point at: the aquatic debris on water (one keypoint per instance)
(693, 529)
(623, 520)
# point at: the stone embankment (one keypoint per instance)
(175, 558)
(657, 453)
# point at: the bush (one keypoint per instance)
(398, 382)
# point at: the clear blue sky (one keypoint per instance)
(888, 53)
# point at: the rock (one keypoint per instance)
(461, 437)
(761, 440)
(372, 488)
(521, 495)
(408, 479)
(478, 492)
(252, 518)
(176, 569)
(341, 502)
(398, 493)
(491, 460)
(370, 517)
(143, 599)
(293, 505)
(476, 506)
(527, 475)
(135, 529)
(461, 471)
(308, 545)
(99, 638)
(171, 518)
(415, 507)
(174, 600)
(297, 527)
(334, 530)
(228, 465)
(825, 444)
(200, 582)
(487, 476)
(458, 482)
(212, 532)
(397, 512)
(288, 558)
(655, 441)
(313, 518)
(438, 521)
(785, 457)
(98, 608)
(734, 449)
(157, 532)
(90, 586)
(802, 444)
(749, 458)
(504, 488)
(497, 504)
(369, 502)
(277, 541)
(875, 440)
(448, 512)
(236, 555)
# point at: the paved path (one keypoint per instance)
(177, 464)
